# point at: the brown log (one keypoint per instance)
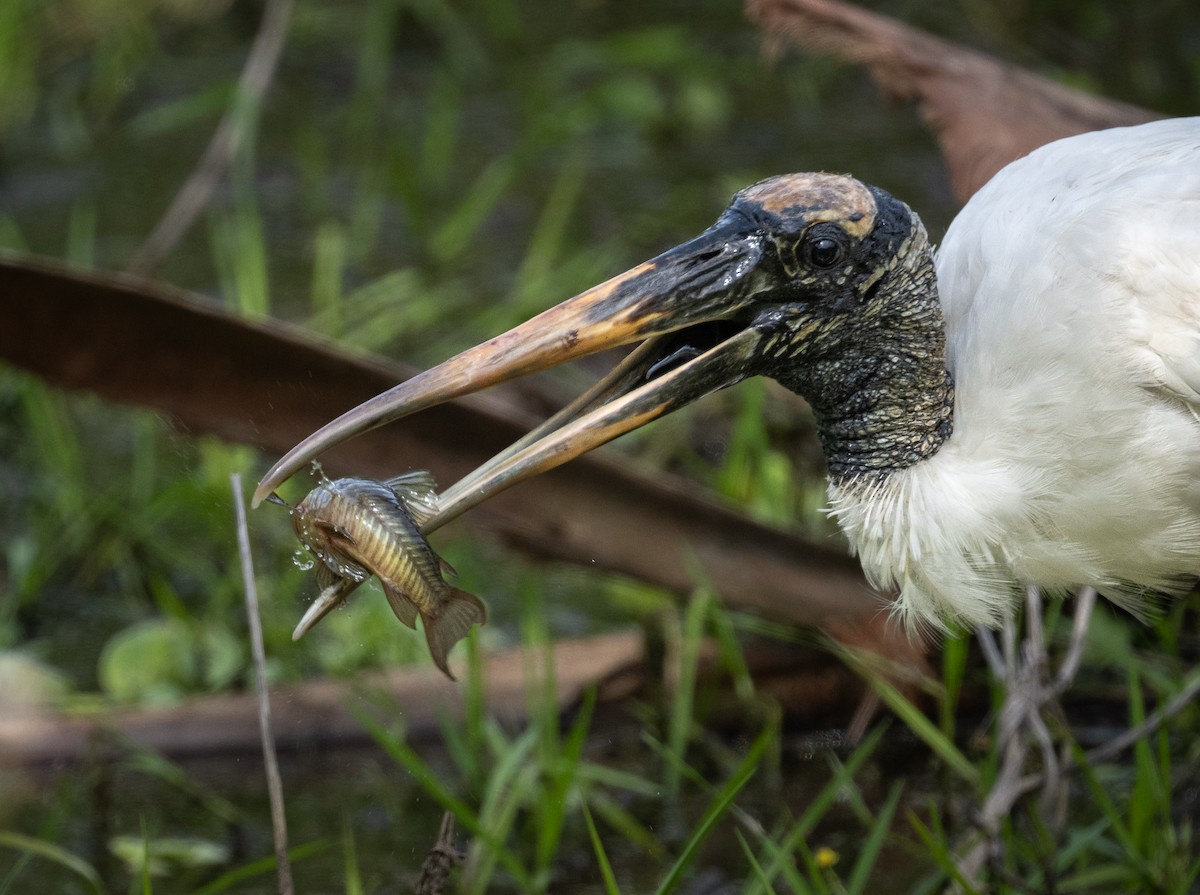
(807, 681)
(267, 384)
(984, 112)
(315, 713)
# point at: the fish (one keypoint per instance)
(356, 527)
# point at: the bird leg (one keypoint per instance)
(1085, 602)
(991, 652)
(1032, 690)
(983, 843)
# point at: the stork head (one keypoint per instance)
(807, 278)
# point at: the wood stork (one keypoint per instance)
(1025, 409)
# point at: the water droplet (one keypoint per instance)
(303, 560)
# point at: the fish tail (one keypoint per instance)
(451, 625)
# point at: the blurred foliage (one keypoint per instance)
(421, 175)
(168, 855)
(160, 659)
(1147, 54)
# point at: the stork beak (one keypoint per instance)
(700, 292)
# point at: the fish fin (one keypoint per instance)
(334, 565)
(418, 482)
(451, 625)
(447, 569)
(331, 530)
(327, 576)
(329, 598)
(418, 491)
(404, 608)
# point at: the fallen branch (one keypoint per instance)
(317, 713)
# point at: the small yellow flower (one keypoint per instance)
(826, 857)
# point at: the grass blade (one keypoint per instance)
(817, 808)
(680, 723)
(715, 811)
(511, 784)
(262, 866)
(875, 839)
(454, 236)
(352, 878)
(625, 824)
(51, 852)
(759, 874)
(937, 843)
(606, 872)
(915, 720)
(408, 759)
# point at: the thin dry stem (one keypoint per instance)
(435, 872)
(274, 783)
(1153, 722)
(196, 191)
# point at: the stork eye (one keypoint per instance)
(823, 252)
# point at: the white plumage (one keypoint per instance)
(1070, 286)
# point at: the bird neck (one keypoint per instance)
(881, 392)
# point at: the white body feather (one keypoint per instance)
(1070, 286)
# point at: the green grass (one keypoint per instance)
(422, 175)
(30, 848)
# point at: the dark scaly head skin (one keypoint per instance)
(864, 340)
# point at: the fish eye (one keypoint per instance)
(822, 251)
